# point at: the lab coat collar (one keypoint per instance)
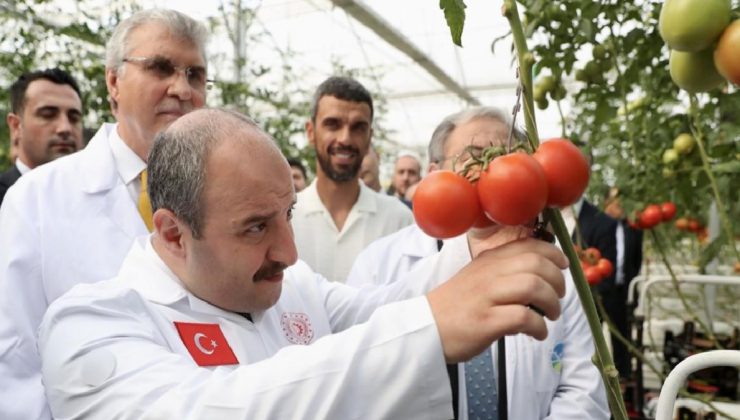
(416, 243)
(311, 201)
(147, 273)
(94, 169)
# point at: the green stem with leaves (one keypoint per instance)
(602, 358)
(699, 137)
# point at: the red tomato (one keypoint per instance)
(445, 204)
(694, 225)
(605, 267)
(682, 224)
(566, 170)
(592, 255)
(483, 221)
(634, 223)
(593, 275)
(667, 210)
(513, 189)
(651, 216)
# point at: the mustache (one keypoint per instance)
(63, 141)
(343, 148)
(269, 270)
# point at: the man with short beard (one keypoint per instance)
(337, 215)
(45, 121)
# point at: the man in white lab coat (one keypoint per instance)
(213, 317)
(551, 379)
(73, 220)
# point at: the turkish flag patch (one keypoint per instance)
(206, 343)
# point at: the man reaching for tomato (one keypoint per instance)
(550, 379)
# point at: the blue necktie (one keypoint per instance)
(480, 385)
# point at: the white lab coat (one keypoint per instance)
(551, 379)
(111, 350)
(67, 222)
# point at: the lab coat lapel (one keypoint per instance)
(99, 178)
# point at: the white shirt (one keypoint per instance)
(128, 164)
(331, 252)
(66, 222)
(22, 167)
(551, 379)
(113, 351)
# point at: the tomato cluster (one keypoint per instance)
(690, 224)
(595, 267)
(704, 43)
(653, 215)
(511, 189)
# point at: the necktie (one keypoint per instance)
(144, 205)
(480, 385)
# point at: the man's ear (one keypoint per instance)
(170, 231)
(111, 81)
(310, 132)
(433, 166)
(14, 123)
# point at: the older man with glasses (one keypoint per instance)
(73, 220)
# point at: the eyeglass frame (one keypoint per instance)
(186, 70)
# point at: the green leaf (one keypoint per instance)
(711, 251)
(455, 15)
(731, 167)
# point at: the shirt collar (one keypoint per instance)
(128, 164)
(311, 201)
(22, 167)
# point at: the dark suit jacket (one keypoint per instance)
(598, 230)
(7, 179)
(632, 251)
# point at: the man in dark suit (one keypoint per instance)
(629, 258)
(599, 230)
(45, 121)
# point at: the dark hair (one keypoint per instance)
(295, 163)
(19, 87)
(344, 88)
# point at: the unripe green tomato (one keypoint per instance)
(684, 143)
(695, 72)
(539, 93)
(693, 25)
(543, 104)
(670, 156)
(599, 52)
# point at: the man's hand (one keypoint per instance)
(490, 297)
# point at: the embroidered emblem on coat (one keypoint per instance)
(297, 327)
(556, 357)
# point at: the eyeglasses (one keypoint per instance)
(162, 68)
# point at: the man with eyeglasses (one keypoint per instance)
(549, 379)
(73, 220)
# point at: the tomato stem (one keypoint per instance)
(699, 137)
(602, 358)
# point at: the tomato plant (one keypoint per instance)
(513, 189)
(727, 53)
(445, 204)
(566, 170)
